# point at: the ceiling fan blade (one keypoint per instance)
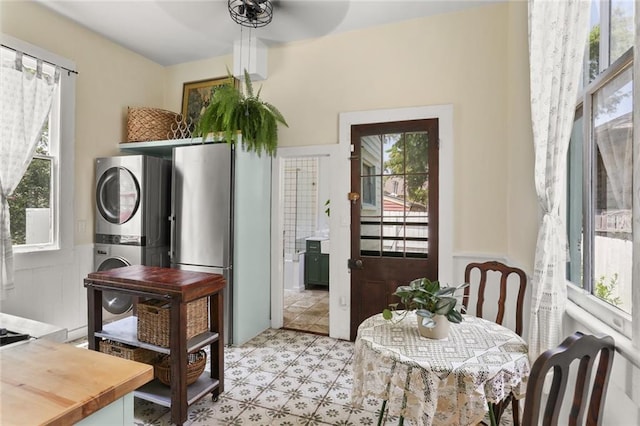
(300, 19)
(208, 23)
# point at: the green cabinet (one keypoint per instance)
(316, 265)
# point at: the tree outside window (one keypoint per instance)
(30, 203)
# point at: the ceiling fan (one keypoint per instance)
(251, 13)
(291, 19)
(291, 16)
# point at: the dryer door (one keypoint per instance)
(117, 195)
(113, 302)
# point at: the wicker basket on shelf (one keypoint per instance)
(150, 124)
(154, 320)
(132, 353)
(195, 366)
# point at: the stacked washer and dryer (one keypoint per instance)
(133, 201)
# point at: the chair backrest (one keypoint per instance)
(504, 271)
(586, 396)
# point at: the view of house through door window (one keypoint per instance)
(394, 214)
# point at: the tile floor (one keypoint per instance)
(307, 310)
(281, 377)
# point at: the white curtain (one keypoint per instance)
(26, 97)
(557, 39)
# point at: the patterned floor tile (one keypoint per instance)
(322, 375)
(271, 398)
(261, 378)
(313, 390)
(301, 406)
(287, 420)
(258, 417)
(280, 377)
(298, 371)
(363, 418)
(332, 413)
(310, 361)
(285, 383)
(339, 395)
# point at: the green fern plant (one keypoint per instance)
(231, 111)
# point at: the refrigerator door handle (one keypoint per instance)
(172, 238)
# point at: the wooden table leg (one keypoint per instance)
(216, 352)
(94, 317)
(178, 349)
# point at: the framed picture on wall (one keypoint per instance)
(196, 95)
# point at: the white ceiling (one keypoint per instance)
(173, 32)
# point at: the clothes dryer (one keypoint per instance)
(133, 200)
(109, 256)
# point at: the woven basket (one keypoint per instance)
(154, 320)
(150, 124)
(195, 366)
(127, 352)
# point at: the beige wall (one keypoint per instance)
(110, 79)
(462, 59)
(475, 60)
(522, 206)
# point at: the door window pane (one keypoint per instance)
(418, 192)
(393, 154)
(394, 187)
(370, 189)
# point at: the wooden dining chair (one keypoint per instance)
(589, 395)
(504, 272)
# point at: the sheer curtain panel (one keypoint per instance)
(557, 36)
(26, 95)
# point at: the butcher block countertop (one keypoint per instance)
(175, 283)
(49, 383)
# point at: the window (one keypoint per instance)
(31, 205)
(41, 206)
(395, 180)
(599, 209)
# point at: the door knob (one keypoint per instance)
(355, 264)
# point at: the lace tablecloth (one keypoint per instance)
(433, 382)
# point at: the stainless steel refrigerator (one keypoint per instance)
(202, 215)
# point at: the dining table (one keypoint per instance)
(451, 381)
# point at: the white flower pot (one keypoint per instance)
(440, 331)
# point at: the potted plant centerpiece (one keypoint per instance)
(435, 306)
(231, 111)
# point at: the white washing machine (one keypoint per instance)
(133, 200)
(109, 256)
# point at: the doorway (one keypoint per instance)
(394, 211)
(339, 221)
(306, 241)
(341, 213)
